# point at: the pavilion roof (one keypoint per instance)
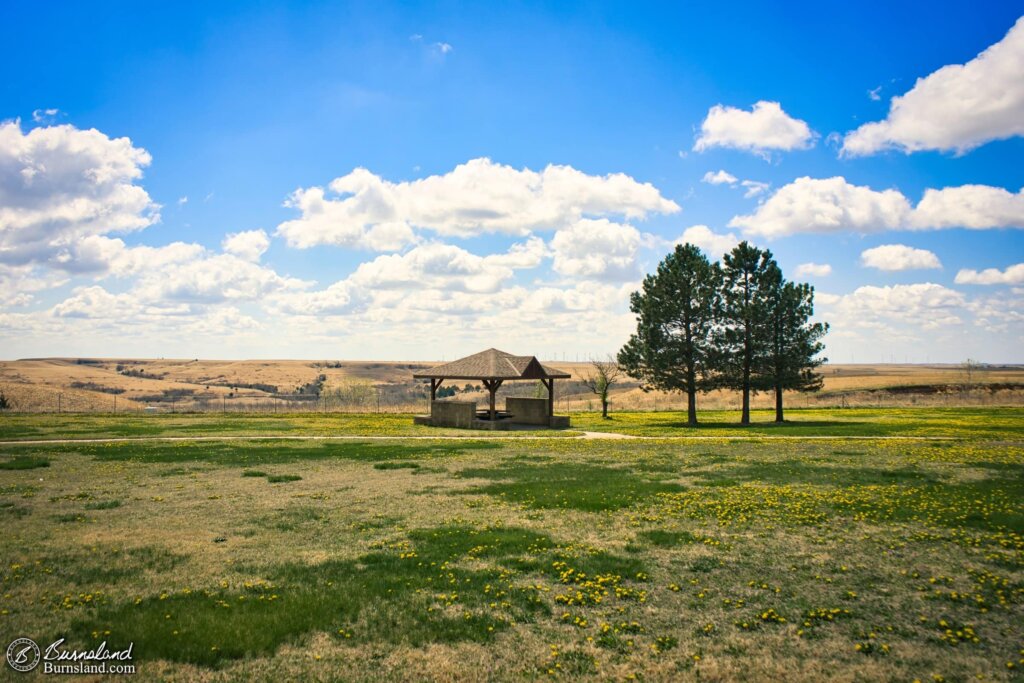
(493, 364)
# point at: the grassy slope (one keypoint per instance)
(795, 560)
(987, 423)
(25, 426)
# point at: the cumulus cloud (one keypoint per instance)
(898, 257)
(712, 243)
(978, 207)
(924, 306)
(719, 178)
(752, 187)
(96, 302)
(59, 184)
(431, 276)
(99, 255)
(827, 205)
(833, 205)
(435, 265)
(249, 245)
(341, 298)
(19, 284)
(763, 129)
(1013, 275)
(597, 249)
(211, 280)
(365, 211)
(958, 107)
(812, 269)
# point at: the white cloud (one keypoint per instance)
(522, 255)
(812, 269)
(19, 283)
(713, 244)
(59, 184)
(597, 249)
(766, 127)
(434, 265)
(183, 200)
(341, 298)
(477, 197)
(958, 107)
(898, 257)
(443, 48)
(875, 93)
(216, 279)
(249, 245)
(719, 178)
(978, 207)
(96, 302)
(44, 115)
(924, 306)
(828, 205)
(1013, 275)
(833, 205)
(100, 256)
(754, 188)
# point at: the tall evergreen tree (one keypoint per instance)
(794, 343)
(675, 310)
(742, 333)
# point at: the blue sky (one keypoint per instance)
(239, 105)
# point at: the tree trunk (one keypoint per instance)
(604, 408)
(745, 416)
(691, 407)
(778, 403)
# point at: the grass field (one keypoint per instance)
(658, 559)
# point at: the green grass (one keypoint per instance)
(986, 423)
(663, 559)
(282, 478)
(989, 423)
(22, 462)
(32, 426)
(578, 486)
(383, 596)
(103, 505)
(252, 453)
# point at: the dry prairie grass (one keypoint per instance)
(34, 385)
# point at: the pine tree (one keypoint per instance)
(794, 341)
(742, 336)
(675, 310)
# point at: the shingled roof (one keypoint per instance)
(493, 364)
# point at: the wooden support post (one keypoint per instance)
(551, 397)
(492, 387)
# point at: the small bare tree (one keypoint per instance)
(968, 371)
(600, 378)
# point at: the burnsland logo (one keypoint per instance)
(24, 655)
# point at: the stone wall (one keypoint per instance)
(528, 411)
(453, 413)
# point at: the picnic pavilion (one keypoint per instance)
(493, 368)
